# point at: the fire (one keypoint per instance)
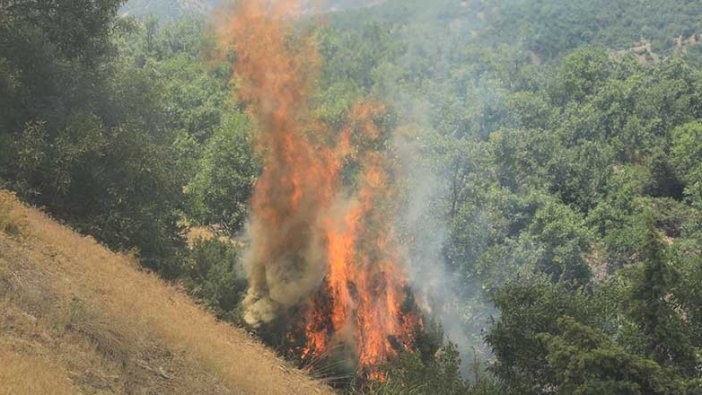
(316, 243)
(365, 281)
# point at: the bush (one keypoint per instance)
(438, 376)
(215, 276)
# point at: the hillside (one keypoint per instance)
(77, 318)
(167, 9)
(176, 9)
(463, 197)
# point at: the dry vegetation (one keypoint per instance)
(11, 220)
(77, 318)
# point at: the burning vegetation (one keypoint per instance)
(323, 265)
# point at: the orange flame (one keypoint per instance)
(304, 235)
(365, 280)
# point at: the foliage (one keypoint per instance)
(529, 308)
(167, 9)
(585, 361)
(214, 275)
(554, 27)
(439, 375)
(221, 189)
(686, 159)
(652, 308)
(563, 152)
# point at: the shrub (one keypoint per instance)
(215, 276)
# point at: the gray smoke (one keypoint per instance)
(424, 230)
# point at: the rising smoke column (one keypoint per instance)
(317, 245)
(274, 74)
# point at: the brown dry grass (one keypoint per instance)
(77, 318)
(11, 221)
(22, 374)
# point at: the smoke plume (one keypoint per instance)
(322, 238)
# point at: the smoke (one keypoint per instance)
(318, 244)
(274, 77)
(439, 290)
(427, 147)
(342, 228)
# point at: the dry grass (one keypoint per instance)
(77, 317)
(11, 220)
(30, 375)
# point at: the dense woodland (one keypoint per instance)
(564, 140)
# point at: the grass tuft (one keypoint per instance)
(12, 221)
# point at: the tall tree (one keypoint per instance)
(653, 307)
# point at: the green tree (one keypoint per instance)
(565, 241)
(585, 361)
(686, 158)
(214, 274)
(581, 74)
(653, 307)
(222, 187)
(530, 307)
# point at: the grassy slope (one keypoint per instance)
(77, 318)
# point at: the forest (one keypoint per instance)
(546, 158)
